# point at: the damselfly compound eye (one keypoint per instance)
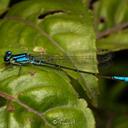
(8, 53)
(7, 56)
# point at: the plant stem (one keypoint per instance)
(115, 29)
(28, 108)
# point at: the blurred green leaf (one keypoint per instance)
(110, 15)
(112, 12)
(114, 42)
(3, 5)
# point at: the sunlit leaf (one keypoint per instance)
(56, 28)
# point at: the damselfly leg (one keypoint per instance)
(20, 69)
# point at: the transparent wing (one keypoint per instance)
(105, 58)
(87, 61)
(57, 59)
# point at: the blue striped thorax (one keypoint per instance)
(16, 59)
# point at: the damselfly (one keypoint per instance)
(24, 58)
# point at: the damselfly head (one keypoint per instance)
(7, 57)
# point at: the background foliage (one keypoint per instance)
(50, 98)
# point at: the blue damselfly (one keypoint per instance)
(24, 58)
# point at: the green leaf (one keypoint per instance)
(42, 92)
(112, 12)
(3, 5)
(58, 28)
(67, 117)
(115, 42)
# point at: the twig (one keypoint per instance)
(29, 109)
(116, 28)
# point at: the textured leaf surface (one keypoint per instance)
(63, 29)
(47, 92)
(58, 29)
